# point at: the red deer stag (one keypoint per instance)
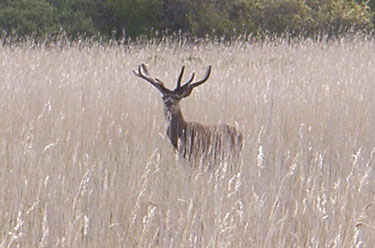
(194, 142)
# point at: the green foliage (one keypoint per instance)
(278, 16)
(221, 19)
(132, 17)
(175, 16)
(340, 16)
(204, 19)
(73, 16)
(27, 18)
(118, 19)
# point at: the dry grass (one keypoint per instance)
(85, 162)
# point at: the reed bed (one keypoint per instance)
(85, 161)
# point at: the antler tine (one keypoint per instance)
(208, 72)
(180, 77)
(146, 76)
(144, 68)
(137, 72)
(191, 79)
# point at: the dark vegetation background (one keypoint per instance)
(132, 19)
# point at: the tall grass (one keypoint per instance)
(85, 161)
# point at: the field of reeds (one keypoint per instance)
(85, 161)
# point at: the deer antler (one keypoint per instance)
(187, 88)
(146, 76)
(181, 91)
(195, 84)
(180, 78)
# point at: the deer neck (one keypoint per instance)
(176, 125)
